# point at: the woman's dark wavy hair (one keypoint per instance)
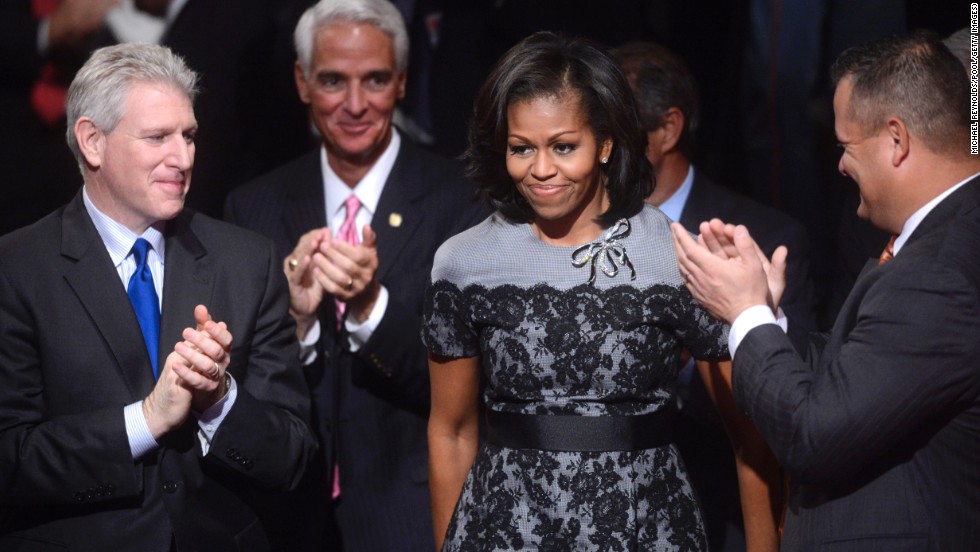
(549, 65)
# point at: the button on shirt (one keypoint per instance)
(119, 242)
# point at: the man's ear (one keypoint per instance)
(673, 126)
(402, 79)
(301, 85)
(898, 133)
(91, 141)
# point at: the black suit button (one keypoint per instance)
(109, 489)
(231, 453)
(170, 487)
(247, 464)
(79, 496)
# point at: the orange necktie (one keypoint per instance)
(889, 251)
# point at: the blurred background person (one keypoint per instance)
(241, 48)
(668, 104)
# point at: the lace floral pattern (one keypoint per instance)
(580, 351)
(584, 351)
(603, 501)
(552, 342)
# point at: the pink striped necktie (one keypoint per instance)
(347, 233)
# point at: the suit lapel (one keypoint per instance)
(97, 286)
(946, 210)
(187, 282)
(697, 207)
(305, 204)
(940, 216)
(396, 218)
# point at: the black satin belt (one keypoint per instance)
(574, 433)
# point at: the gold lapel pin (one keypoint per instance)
(394, 220)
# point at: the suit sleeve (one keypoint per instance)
(908, 364)
(52, 458)
(266, 435)
(798, 302)
(394, 361)
(230, 211)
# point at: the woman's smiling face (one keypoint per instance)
(553, 159)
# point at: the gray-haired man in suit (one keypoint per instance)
(358, 306)
(149, 383)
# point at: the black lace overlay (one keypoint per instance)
(580, 351)
(583, 351)
(551, 343)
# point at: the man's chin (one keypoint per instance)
(171, 208)
(862, 211)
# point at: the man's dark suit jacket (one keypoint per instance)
(372, 406)
(700, 435)
(881, 432)
(72, 356)
(769, 227)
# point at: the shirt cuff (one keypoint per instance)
(210, 420)
(307, 345)
(750, 319)
(141, 441)
(360, 332)
(781, 320)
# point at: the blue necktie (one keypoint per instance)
(143, 296)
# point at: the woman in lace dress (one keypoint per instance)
(566, 309)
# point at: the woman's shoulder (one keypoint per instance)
(651, 219)
(470, 252)
(650, 245)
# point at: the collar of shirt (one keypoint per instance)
(368, 190)
(674, 205)
(119, 242)
(917, 217)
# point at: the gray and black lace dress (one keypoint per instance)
(551, 344)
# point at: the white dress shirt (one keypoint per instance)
(119, 242)
(368, 191)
